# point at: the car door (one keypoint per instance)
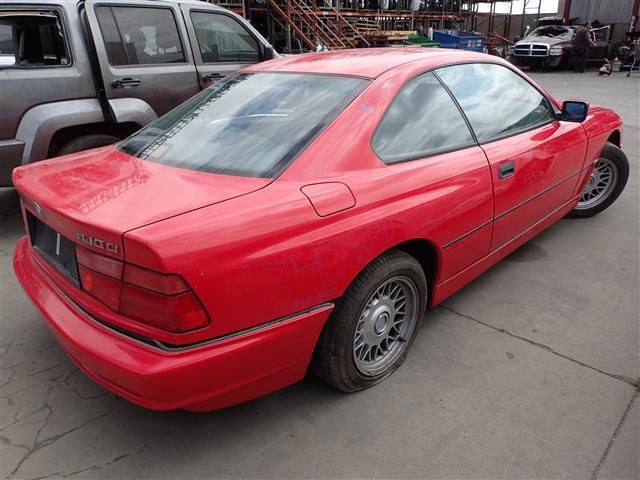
(430, 152)
(535, 159)
(221, 43)
(143, 51)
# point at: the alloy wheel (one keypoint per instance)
(600, 185)
(386, 323)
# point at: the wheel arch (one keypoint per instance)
(426, 253)
(41, 123)
(64, 135)
(615, 138)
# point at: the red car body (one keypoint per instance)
(267, 258)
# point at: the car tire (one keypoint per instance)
(86, 142)
(606, 183)
(370, 311)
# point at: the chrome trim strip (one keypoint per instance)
(149, 342)
(240, 333)
(165, 347)
(538, 194)
(471, 232)
(461, 237)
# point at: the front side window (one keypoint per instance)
(251, 124)
(140, 35)
(497, 101)
(222, 39)
(422, 120)
(32, 39)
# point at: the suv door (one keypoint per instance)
(222, 44)
(535, 159)
(143, 50)
(37, 67)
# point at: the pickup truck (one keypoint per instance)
(550, 46)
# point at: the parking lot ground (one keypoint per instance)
(529, 372)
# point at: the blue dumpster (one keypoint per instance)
(458, 39)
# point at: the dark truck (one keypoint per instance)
(81, 74)
(551, 45)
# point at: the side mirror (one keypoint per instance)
(573, 111)
(269, 53)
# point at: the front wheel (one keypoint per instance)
(374, 324)
(606, 183)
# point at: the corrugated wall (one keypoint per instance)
(605, 11)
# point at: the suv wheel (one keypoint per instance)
(86, 142)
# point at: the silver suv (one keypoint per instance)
(81, 74)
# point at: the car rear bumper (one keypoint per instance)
(206, 377)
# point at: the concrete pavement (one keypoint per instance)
(529, 372)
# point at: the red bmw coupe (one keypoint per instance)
(301, 214)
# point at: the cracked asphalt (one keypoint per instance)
(529, 372)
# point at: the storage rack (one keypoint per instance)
(302, 25)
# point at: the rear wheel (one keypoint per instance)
(86, 142)
(374, 324)
(606, 183)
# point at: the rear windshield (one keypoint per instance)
(252, 124)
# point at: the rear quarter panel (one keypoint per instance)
(266, 255)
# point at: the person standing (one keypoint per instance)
(581, 43)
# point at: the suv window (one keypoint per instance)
(497, 101)
(8, 43)
(222, 39)
(32, 39)
(140, 35)
(422, 120)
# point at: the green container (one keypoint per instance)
(423, 41)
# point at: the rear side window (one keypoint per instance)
(497, 101)
(223, 39)
(140, 35)
(251, 124)
(32, 39)
(8, 44)
(422, 120)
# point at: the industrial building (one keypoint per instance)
(300, 25)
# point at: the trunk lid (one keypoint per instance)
(94, 197)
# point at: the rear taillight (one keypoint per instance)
(99, 263)
(162, 301)
(159, 300)
(102, 287)
(100, 277)
(165, 284)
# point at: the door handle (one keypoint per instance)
(212, 76)
(506, 170)
(126, 83)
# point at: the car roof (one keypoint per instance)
(366, 62)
